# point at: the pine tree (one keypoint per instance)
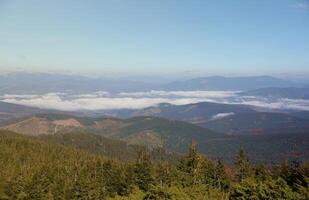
(260, 172)
(243, 168)
(190, 165)
(221, 181)
(143, 170)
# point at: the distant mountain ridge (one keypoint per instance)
(196, 113)
(273, 92)
(230, 83)
(260, 123)
(228, 118)
(25, 83)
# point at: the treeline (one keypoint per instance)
(34, 169)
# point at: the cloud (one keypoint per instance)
(138, 100)
(88, 102)
(222, 115)
(282, 103)
(92, 95)
(191, 94)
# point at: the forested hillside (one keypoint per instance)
(31, 168)
(110, 135)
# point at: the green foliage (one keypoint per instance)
(31, 168)
(269, 189)
(143, 170)
(243, 168)
(190, 166)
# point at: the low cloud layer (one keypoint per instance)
(137, 100)
(222, 115)
(191, 94)
(94, 102)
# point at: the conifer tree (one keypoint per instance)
(243, 168)
(260, 172)
(221, 181)
(190, 165)
(143, 170)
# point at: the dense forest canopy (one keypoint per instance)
(36, 168)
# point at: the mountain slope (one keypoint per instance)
(9, 111)
(259, 123)
(273, 92)
(150, 131)
(197, 113)
(158, 132)
(228, 118)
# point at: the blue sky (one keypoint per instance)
(155, 37)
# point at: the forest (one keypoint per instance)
(34, 168)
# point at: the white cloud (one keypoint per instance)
(54, 101)
(138, 100)
(92, 95)
(191, 94)
(222, 115)
(283, 103)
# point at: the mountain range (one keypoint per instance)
(220, 129)
(273, 92)
(154, 132)
(25, 83)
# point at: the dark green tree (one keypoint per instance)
(143, 170)
(220, 177)
(190, 165)
(242, 165)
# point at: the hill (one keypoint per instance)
(197, 113)
(150, 131)
(273, 92)
(301, 114)
(9, 111)
(259, 123)
(227, 118)
(36, 168)
(157, 132)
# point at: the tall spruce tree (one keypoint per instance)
(243, 167)
(190, 165)
(143, 170)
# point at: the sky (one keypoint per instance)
(129, 37)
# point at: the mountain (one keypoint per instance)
(10, 111)
(227, 118)
(301, 114)
(273, 92)
(109, 147)
(157, 132)
(259, 123)
(229, 83)
(27, 83)
(150, 131)
(197, 113)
